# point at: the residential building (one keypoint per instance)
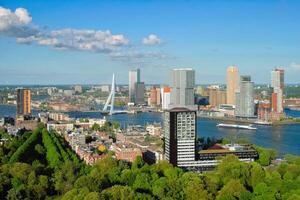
(232, 84)
(23, 102)
(128, 154)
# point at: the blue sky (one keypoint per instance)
(205, 35)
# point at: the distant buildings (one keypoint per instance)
(23, 102)
(69, 93)
(245, 98)
(139, 93)
(182, 87)
(155, 97)
(134, 77)
(154, 129)
(277, 84)
(273, 110)
(128, 154)
(59, 116)
(232, 84)
(78, 89)
(216, 96)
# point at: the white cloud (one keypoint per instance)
(151, 40)
(137, 56)
(18, 24)
(294, 66)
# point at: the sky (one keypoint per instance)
(85, 42)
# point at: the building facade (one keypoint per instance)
(232, 84)
(134, 77)
(245, 98)
(182, 87)
(23, 102)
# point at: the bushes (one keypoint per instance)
(53, 157)
(25, 146)
(56, 141)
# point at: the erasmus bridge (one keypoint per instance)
(109, 105)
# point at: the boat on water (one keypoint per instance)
(236, 126)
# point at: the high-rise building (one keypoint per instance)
(232, 84)
(277, 78)
(165, 97)
(182, 87)
(23, 102)
(216, 96)
(158, 97)
(134, 77)
(153, 97)
(245, 98)
(180, 136)
(277, 84)
(139, 93)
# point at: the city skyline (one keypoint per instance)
(89, 46)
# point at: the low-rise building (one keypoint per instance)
(60, 127)
(128, 154)
(154, 129)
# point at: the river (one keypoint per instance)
(285, 139)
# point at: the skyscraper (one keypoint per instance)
(139, 93)
(182, 87)
(277, 84)
(232, 83)
(277, 78)
(245, 98)
(134, 77)
(23, 102)
(180, 136)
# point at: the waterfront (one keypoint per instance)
(285, 139)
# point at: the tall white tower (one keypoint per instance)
(111, 98)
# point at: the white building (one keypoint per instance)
(165, 97)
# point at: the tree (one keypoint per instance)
(65, 176)
(257, 174)
(96, 127)
(118, 193)
(142, 183)
(233, 189)
(231, 168)
(193, 187)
